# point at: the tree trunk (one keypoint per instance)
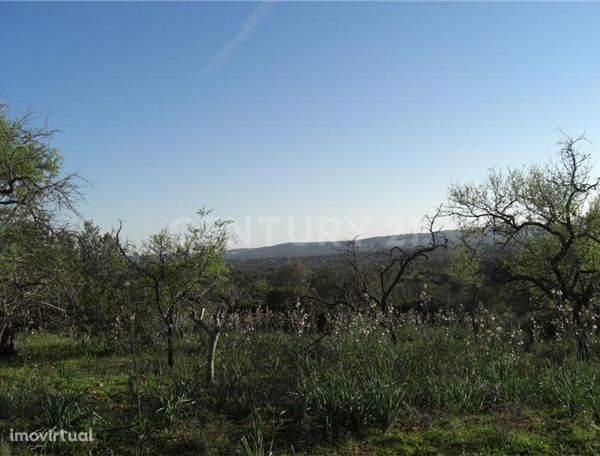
(170, 345)
(7, 342)
(529, 335)
(474, 326)
(583, 346)
(473, 312)
(213, 339)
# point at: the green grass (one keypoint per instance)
(436, 392)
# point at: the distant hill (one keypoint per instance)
(307, 249)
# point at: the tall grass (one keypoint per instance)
(350, 383)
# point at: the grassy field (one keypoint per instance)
(437, 391)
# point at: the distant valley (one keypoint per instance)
(307, 249)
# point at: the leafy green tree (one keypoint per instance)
(34, 193)
(212, 290)
(288, 285)
(465, 268)
(31, 171)
(548, 218)
(97, 275)
(179, 269)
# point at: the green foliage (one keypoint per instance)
(174, 401)
(547, 217)
(336, 384)
(464, 266)
(353, 387)
(59, 411)
(254, 443)
(30, 169)
(289, 284)
(34, 192)
(22, 400)
(97, 276)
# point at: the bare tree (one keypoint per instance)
(375, 276)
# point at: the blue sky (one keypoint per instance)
(350, 111)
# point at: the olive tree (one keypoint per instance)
(547, 218)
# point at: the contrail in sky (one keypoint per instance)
(245, 33)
